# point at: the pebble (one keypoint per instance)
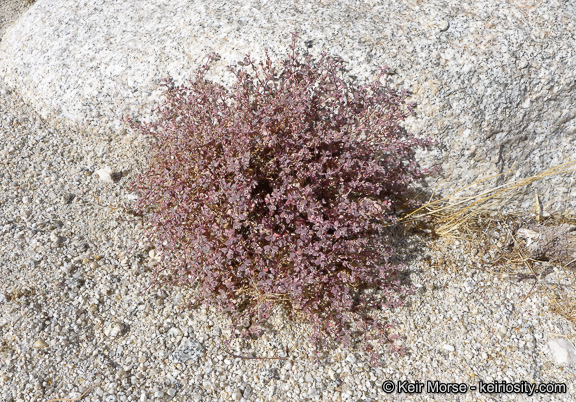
(312, 393)
(469, 285)
(444, 25)
(247, 392)
(67, 198)
(172, 392)
(174, 332)
(563, 351)
(115, 329)
(105, 174)
(40, 344)
(268, 374)
(188, 350)
(237, 395)
(54, 237)
(351, 358)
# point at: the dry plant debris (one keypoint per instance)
(517, 246)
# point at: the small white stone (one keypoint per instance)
(115, 330)
(351, 358)
(449, 348)
(563, 351)
(331, 373)
(40, 344)
(247, 392)
(237, 395)
(526, 104)
(105, 174)
(174, 332)
(444, 25)
(523, 63)
(469, 285)
(131, 196)
(271, 391)
(154, 255)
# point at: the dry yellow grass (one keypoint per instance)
(453, 213)
(474, 219)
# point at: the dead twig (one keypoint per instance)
(256, 358)
(76, 399)
(260, 358)
(523, 277)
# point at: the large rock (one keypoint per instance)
(495, 81)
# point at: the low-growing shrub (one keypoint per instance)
(278, 191)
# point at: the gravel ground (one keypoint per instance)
(74, 312)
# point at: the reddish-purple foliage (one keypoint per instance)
(278, 190)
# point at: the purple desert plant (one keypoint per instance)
(278, 191)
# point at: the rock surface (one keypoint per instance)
(553, 243)
(494, 82)
(563, 351)
(10, 11)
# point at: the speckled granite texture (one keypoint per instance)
(494, 81)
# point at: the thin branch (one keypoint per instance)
(76, 399)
